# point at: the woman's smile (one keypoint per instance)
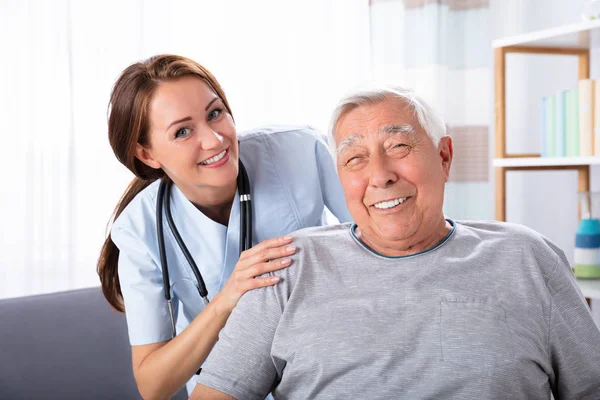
(217, 160)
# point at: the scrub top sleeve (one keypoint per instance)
(146, 309)
(574, 338)
(331, 188)
(240, 364)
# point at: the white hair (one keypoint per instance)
(427, 116)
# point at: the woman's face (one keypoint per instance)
(192, 136)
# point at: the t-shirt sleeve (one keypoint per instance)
(146, 309)
(331, 187)
(574, 338)
(240, 364)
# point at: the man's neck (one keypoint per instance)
(409, 246)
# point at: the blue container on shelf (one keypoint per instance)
(587, 238)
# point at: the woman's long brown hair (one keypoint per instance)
(128, 124)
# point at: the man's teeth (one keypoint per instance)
(214, 159)
(389, 204)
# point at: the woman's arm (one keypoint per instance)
(161, 369)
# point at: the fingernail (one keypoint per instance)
(275, 279)
(287, 238)
(289, 249)
(285, 261)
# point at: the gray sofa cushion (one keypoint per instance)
(67, 345)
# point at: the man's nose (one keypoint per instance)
(381, 175)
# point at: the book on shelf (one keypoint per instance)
(586, 116)
(548, 126)
(560, 127)
(572, 118)
(571, 121)
(596, 131)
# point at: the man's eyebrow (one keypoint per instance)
(348, 142)
(390, 130)
(403, 129)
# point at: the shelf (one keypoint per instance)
(569, 40)
(590, 288)
(574, 36)
(535, 162)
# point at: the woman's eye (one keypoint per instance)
(399, 145)
(214, 113)
(182, 132)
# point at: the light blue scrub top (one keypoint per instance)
(292, 178)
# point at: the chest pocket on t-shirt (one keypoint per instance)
(474, 334)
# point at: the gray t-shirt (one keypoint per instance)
(491, 312)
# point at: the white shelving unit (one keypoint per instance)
(574, 36)
(545, 161)
(568, 40)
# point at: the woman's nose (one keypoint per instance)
(210, 139)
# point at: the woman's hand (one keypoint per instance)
(267, 256)
(188, 350)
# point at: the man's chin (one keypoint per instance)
(389, 235)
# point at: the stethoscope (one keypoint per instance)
(164, 196)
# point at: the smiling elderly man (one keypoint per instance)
(406, 303)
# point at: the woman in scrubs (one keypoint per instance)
(169, 116)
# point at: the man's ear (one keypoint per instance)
(144, 155)
(446, 153)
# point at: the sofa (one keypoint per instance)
(67, 345)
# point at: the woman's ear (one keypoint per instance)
(145, 155)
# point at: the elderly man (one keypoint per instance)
(406, 303)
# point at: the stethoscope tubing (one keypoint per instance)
(164, 203)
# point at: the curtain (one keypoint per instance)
(279, 63)
(37, 147)
(442, 49)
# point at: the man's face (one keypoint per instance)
(392, 174)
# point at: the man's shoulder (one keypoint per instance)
(316, 236)
(316, 250)
(313, 246)
(500, 230)
(510, 238)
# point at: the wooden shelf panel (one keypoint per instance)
(534, 162)
(574, 36)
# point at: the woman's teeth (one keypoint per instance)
(389, 204)
(214, 159)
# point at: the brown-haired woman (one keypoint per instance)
(169, 121)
